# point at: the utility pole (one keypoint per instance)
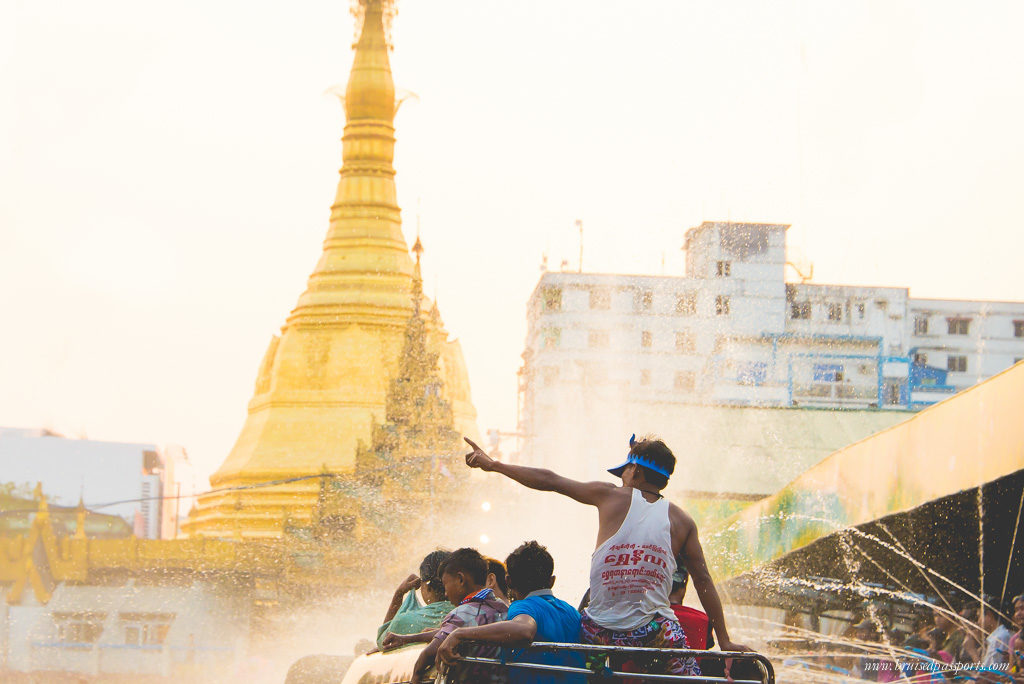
(579, 224)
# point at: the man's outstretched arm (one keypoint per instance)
(693, 558)
(592, 493)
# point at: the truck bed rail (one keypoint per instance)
(603, 671)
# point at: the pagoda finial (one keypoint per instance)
(387, 9)
(417, 274)
(417, 249)
(370, 94)
(37, 493)
(80, 513)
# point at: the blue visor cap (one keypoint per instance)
(639, 460)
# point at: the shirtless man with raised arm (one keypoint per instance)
(640, 537)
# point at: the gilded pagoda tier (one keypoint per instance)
(323, 381)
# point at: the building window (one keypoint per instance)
(828, 372)
(646, 338)
(752, 373)
(723, 269)
(600, 298)
(920, 325)
(642, 300)
(79, 628)
(551, 299)
(722, 305)
(800, 311)
(956, 364)
(860, 311)
(551, 337)
(920, 359)
(686, 304)
(958, 326)
(548, 375)
(598, 340)
(155, 634)
(686, 380)
(645, 377)
(1018, 328)
(146, 629)
(684, 341)
(835, 312)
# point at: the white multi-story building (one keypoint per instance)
(733, 332)
(142, 483)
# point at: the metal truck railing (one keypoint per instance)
(599, 660)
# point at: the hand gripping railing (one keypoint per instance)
(603, 671)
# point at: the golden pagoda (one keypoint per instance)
(323, 381)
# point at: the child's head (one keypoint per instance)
(496, 578)
(430, 576)
(530, 567)
(988, 615)
(679, 581)
(463, 573)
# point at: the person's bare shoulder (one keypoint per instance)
(611, 494)
(682, 524)
(677, 514)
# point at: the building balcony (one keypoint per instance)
(728, 390)
(834, 394)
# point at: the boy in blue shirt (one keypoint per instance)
(535, 615)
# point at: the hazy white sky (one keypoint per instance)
(166, 171)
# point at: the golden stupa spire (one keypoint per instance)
(365, 258)
(323, 382)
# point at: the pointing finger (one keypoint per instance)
(472, 444)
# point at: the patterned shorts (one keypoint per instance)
(658, 633)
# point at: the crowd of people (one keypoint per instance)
(983, 637)
(647, 552)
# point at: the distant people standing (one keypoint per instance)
(640, 536)
(997, 643)
(1017, 643)
(945, 637)
(970, 647)
(873, 667)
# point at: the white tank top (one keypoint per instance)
(631, 573)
